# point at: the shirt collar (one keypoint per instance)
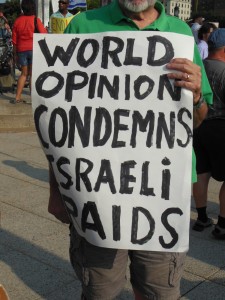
(67, 14)
(160, 24)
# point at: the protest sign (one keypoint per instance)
(118, 135)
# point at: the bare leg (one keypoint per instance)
(200, 190)
(200, 193)
(21, 82)
(30, 76)
(219, 230)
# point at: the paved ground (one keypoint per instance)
(34, 261)
(16, 117)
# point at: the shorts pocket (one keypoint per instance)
(176, 268)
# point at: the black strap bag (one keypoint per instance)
(5, 68)
(35, 25)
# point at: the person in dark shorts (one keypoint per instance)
(209, 138)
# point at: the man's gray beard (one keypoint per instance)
(130, 6)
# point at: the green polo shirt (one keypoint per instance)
(111, 18)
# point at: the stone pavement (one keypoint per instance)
(34, 262)
(16, 117)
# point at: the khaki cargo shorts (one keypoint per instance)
(102, 271)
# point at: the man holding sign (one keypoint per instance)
(142, 180)
(60, 19)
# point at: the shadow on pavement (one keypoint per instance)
(25, 168)
(39, 270)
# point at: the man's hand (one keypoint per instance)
(189, 76)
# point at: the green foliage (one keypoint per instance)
(93, 4)
(11, 10)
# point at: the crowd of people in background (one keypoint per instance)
(209, 137)
(17, 43)
(58, 21)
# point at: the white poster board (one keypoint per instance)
(118, 135)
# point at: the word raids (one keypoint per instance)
(111, 52)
